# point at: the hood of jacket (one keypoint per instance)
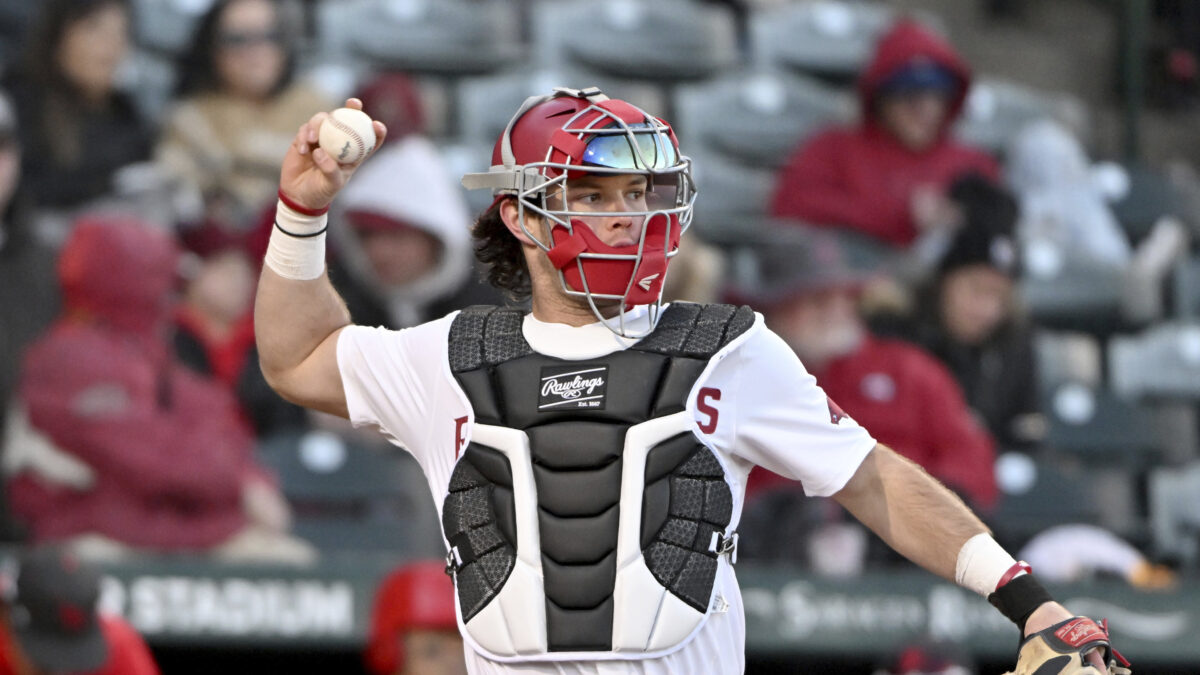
(408, 183)
(905, 43)
(120, 271)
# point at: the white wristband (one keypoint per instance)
(982, 563)
(297, 246)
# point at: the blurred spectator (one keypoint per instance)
(808, 292)
(414, 630)
(887, 177)
(968, 316)
(214, 328)
(113, 446)
(239, 106)
(928, 656)
(1069, 553)
(78, 130)
(1063, 208)
(404, 253)
(28, 294)
(51, 625)
(29, 298)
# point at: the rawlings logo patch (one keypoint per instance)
(1079, 631)
(573, 387)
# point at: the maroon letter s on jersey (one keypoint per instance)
(703, 406)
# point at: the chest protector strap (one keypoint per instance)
(585, 518)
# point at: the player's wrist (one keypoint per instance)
(297, 246)
(983, 565)
(299, 208)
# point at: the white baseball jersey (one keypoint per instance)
(754, 405)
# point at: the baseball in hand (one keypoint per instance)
(347, 135)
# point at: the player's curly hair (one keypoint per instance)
(501, 253)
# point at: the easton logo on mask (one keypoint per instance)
(573, 387)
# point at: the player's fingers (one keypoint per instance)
(326, 164)
(354, 103)
(301, 140)
(1095, 658)
(312, 127)
(380, 134)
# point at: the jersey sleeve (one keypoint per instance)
(783, 421)
(392, 379)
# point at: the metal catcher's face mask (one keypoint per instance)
(554, 140)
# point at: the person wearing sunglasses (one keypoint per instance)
(238, 105)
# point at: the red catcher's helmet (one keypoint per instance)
(573, 132)
(418, 595)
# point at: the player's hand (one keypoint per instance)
(1051, 613)
(310, 176)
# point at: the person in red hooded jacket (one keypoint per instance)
(117, 447)
(414, 630)
(887, 176)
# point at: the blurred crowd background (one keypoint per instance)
(974, 220)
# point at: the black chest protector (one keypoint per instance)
(554, 436)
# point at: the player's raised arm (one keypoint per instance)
(297, 313)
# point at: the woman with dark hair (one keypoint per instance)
(238, 108)
(78, 128)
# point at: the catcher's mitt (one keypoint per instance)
(1059, 650)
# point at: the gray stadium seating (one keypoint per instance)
(1162, 361)
(1097, 424)
(1175, 513)
(636, 39)
(1186, 292)
(1057, 494)
(443, 37)
(485, 104)
(347, 496)
(756, 117)
(1067, 294)
(996, 110)
(827, 38)
(166, 26)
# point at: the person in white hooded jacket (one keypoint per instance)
(405, 256)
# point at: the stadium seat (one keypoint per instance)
(442, 37)
(1162, 361)
(149, 78)
(485, 104)
(755, 117)
(636, 39)
(346, 496)
(16, 18)
(727, 191)
(1049, 494)
(1071, 294)
(462, 158)
(829, 39)
(166, 26)
(1147, 197)
(1186, 292)
(1094, 423)
(996, 110)
(1174, 496)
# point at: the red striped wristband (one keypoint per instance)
(298, 208)
(1018, 568)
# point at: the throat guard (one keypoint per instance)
(585, 518)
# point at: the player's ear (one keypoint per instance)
(511, 215)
